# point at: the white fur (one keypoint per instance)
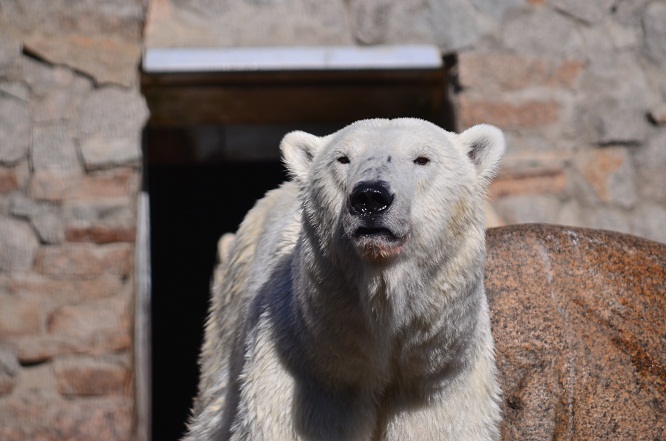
(320, 332)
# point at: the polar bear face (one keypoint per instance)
(391, 189)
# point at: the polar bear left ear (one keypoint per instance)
(485, 146)
(298, 149)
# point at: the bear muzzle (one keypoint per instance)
(369, 205)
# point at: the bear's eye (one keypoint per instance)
(343, 160)
(421, 160)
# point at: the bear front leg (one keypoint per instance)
(278, 402)
(467, 410)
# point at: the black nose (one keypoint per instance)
(370, 198)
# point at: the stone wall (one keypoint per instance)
(70, 122)
(578, 87)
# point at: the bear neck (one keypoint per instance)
(357, 325)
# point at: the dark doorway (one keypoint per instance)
(210, 151)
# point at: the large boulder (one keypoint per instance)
(579, 320)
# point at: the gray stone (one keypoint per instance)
(49, 227)
(590, 11)
(649, 221)
(615, 109)
(85, 17)
(111, 212)
(10, 51)
(386, 21)
(572, 214)
(213, 23)
(607, 45)
(16, 90)
(628, 12)
(455, 24)
(9, 369)
(53, 149)
(106, 59)
(650, 161)
(15, 121)
(654, 26)
(9, 364)
(610, 219)
(609, 174)
(25, 207)
(658, 114)
(543, 33)
(18, 245)
(112, 113)
(103, 153)
(496, 9)
(528, 209)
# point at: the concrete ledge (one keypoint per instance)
(385, 57)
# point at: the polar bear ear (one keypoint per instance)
(485, 146)
(298, 148)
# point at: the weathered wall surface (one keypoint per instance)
(578, 87)
(70, 121)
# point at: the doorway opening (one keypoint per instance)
(210, 151)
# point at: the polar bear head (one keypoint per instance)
(392, 189)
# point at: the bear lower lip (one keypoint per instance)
(370, 232)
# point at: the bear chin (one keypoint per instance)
(379, 249)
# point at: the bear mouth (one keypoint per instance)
(378, 244)
(375, 232)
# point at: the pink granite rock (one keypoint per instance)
(579, 320)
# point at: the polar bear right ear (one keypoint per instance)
(298, 149)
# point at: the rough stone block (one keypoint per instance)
(508, 115)
(211, 23)
(649, 221)
(49, 227)
(382, 22)
(18, 245)
(614, 110)
(60, 291)
(48, 418)
(57, 185)
(53, 149)
(42, 348)
(9, 369)
(496, 9)
(610, 174)
(10, 51)
(529, 209)
(528, 183)
(106, 58)
(108, 419)
(654, 26)
(590, 11)
(650, 163)
(84, 261)
(8, 180)
(499, 72)
(104, 153)
(19, 315)
(85, 376)
(110, 113)
(15, 125)
(455, 24)
(91, 320)
(541, 32)
(578, 321)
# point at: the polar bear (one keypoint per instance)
(350, 303)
